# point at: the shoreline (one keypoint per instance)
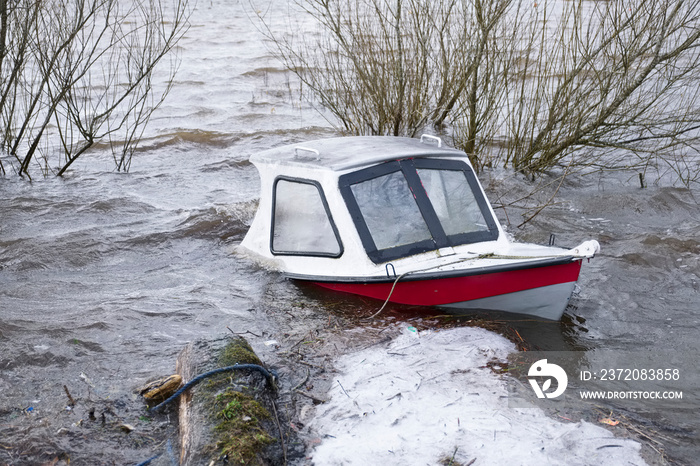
(428, 396)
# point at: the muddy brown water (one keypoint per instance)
(104, 277)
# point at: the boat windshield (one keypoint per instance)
(453, 201)
(390, 211)
(406, 207)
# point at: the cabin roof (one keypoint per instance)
(338, 154)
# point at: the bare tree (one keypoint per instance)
(528, 85)
(607, 84)
(380, 66)
(79, 72)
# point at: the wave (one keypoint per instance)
(677, 245)
(118, 205)
(23, 359)
(262, 72)
(227, 164)
(223, 222)
(220, 223)
(187, 137)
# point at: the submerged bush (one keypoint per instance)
(524, 85)
(77, 73)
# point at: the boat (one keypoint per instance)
(401, 220)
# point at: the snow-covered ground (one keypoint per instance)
(428, 397)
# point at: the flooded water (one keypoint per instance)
(104, 277)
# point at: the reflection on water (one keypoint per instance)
(105, 276)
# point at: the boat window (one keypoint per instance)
(390, 211)
(453, 201)
(301, 221)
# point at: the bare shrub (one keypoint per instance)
(79, 72)
(527, 85)
(608, 84)
(382, 67)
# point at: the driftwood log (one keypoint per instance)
(230, 417)
(184, 367)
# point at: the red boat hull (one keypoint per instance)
(437, 290)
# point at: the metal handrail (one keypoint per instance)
(434, 138)
(298, 148)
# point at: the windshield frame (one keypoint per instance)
(439, 239)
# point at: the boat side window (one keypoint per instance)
(301, 221)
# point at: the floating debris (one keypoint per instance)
(160, 389)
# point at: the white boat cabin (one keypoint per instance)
(364, 206)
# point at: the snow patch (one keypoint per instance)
(428, 397)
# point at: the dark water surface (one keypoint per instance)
(104, 277)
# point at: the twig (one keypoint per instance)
(516, 332)
(311, 397)
(505, 211)
(660, 452)
(452, 460)
(308, 373)
(650, 434)
(279, 428)
(556, 191)
(71, 401)
(298, 343)
(310, 365)
(342, 388)
(242, 333)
